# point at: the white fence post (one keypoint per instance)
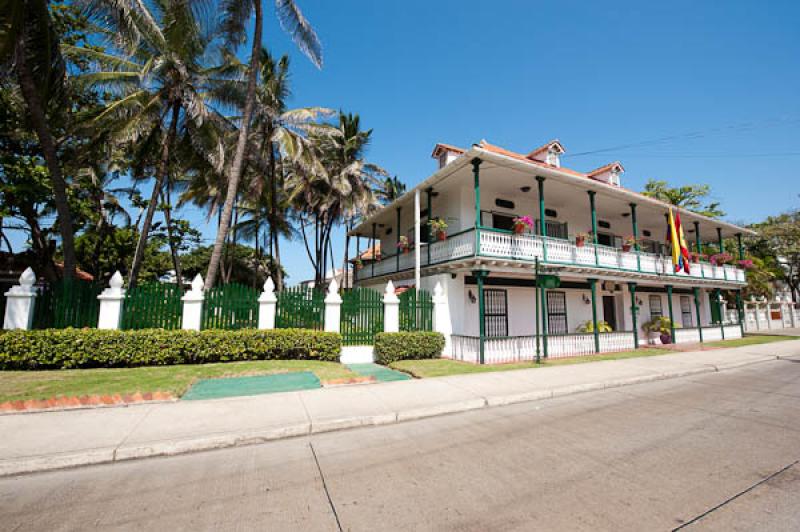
(391, 309)
(267, 305)
(111, 301)
(333, 308)
(441, 318)
(193, 305)
(20, 300)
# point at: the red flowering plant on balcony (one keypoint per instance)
(628, 242)
(697, 257)
(581, 238)
(746, 264)
(522, 224)
(404, 245)
(721, 258)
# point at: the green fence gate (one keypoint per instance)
(361, 316)
(416, 310)
(153, 306)
(300, 307)
(231, 306)
(67, 303)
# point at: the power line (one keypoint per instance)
(743, 126)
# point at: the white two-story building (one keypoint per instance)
(577, 244)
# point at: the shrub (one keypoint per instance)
(93, 348)
(390, 347)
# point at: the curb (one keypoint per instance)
(133, 451)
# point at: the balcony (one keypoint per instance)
(499, 244)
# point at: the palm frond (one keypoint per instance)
(295, 24)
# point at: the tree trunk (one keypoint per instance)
(234, 239)
(36, 110)
(173, 246)
(345, 277)
(237, 166)
(151, 207)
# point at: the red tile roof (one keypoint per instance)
(546, 147)
(604, 168)
(502, 151)
(368, 254)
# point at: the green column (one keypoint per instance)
(593, 284)
(429, 194)
(543, 295)
(718, 296)
(697, 242)
(374, 254)
(592, 194)
(719, 239)
(697, 311)
(740, 310)
(542, 224)
(635, 228)
(397, 240)
(634, 308)
(741, 246)
(476, 163)
(480, 275)
(538, 330)
(671, 318)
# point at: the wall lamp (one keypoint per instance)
(472, 298)
(586, 299)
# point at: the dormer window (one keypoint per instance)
(609, 173)
(446, 154)
(550, 153)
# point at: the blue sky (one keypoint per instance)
(722, 78)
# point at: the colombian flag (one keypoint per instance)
(680, 252)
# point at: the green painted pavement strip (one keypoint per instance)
(381, 373)
(240, 386)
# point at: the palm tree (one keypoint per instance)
(390, 189)
(29, 49)
(278, 133)
(236, 14)
(163, 86)
(341, 194)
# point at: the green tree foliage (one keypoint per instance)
(777, 249)
(689, 197)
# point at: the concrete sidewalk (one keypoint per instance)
(50, 440)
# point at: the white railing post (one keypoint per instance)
(193, 305)
(441, 318)
(111, 301)
(20, 301)
(333, 308)
(391, 309)
(267, 305)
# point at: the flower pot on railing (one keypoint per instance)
(626, 247)
(441, 236)
(579, 241)
(522, 224)
(628, 242)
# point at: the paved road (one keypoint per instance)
(711, 452)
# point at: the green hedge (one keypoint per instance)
(390, 347)
(92, 348)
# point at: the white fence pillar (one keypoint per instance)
(441, 318)
(267, 305)
(111, 302)
(193, 305)
(20, 300)
(391, 309)
(333, 308)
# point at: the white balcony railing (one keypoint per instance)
(528, 247)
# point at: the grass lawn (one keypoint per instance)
(16, 385)
(750, 340)
(443, 367)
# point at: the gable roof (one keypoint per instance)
(440, 147)
(546, 147)
(607, 167)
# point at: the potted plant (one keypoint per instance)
(580, 239)
(658, 328)
(404, 245)
(696, 257)
(721, 258)
(628, 242)
(358, 263)
(438, 228)
(588, 327)
(746, 264)
(522, 224)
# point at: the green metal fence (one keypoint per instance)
(416, 310)
(361, 316)
(300, 307)
(153, 306)
(231, 306)
(67, 303)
